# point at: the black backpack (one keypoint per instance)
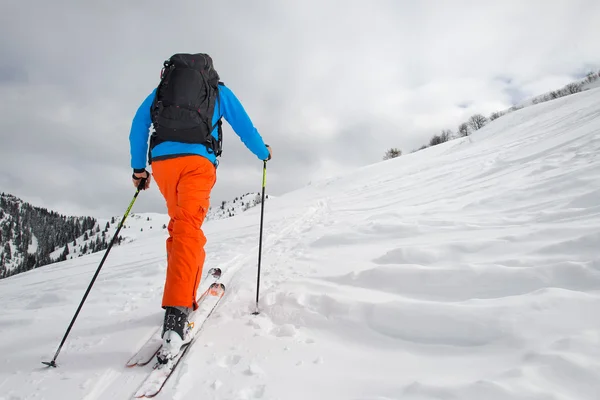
(185, 101)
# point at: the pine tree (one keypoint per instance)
(18, 239)
(7, 252)
(9, 231)
(31, 262)
(64, 254)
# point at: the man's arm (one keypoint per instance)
(138, 136)
(236, 116)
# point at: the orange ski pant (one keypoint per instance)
(185, 183)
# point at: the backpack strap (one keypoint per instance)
(217, 144)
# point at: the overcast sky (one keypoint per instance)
(329, 84)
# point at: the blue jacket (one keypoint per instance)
(231, 109)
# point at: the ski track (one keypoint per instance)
(466, 271)
(121, 385)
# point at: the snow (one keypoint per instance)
(227, 209)
(33, 246)
(591, 81)
(591, 85)
(465, 271)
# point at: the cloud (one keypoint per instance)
(330, 85)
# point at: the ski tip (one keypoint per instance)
(214, 272)
(50, 363)
(143, 395)
(216, 289)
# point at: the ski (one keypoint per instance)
(160, 373)
(150, 349)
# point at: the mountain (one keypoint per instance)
(228, 209)
(31, 237)
(468, 271)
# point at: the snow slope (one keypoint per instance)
(591, 81)
(466, 271)
(231, 208)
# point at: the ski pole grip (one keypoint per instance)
(142, 184)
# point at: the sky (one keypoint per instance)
(330, 85)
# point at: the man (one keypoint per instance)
(185, 111)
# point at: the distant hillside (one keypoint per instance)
(234, 207)
(31, 237)
(591, 81)
(478, 121)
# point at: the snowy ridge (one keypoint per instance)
(31, 236)
(231, 208)
(14, 258)
(466, 271)
(591, 81)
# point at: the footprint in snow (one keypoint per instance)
(216, 385)
(255, 392)
(253, 369)
(253, 324)
(287, 330)
(229, 361)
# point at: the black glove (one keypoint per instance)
(141, 182)
(139, 171)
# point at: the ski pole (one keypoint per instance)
(262, 213)
(139, 188)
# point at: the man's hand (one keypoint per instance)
(138, 176)
(269, 148)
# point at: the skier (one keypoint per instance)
(183, 152)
